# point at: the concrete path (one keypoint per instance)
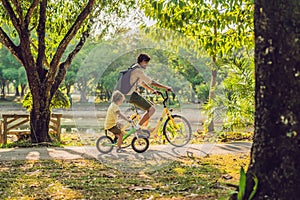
(163, 151)
(154, 158)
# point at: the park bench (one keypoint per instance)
(15, 124)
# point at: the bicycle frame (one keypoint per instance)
(165, 112)
(126, 135)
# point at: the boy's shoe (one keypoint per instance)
(120, 150)
(115, 140)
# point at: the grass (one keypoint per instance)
(198, 178)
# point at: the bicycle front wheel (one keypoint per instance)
(104, 144)
(177, 130)
(140, 145)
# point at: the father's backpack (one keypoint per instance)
(123, 84)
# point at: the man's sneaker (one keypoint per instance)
(120, 150)
(143, 132)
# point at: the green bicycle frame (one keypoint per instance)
(131, 131)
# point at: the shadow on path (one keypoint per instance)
(156, 156)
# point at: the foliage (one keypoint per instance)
(11, 71)
(72, 179)
(63, 16)
(60, 100)
(235, 106)
(239, 86)
(242, 186)
(219, 26)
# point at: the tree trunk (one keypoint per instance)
(82, 89)
(23, 87)
(3, 96)
(17, 91)
(7, 88)
(275, 154)
(68, 88)
(83, 96)
(211, 126)
(40, 118)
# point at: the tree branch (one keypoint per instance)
(12, 15)
(36, 49)
(8, 43)
(41, 36)
(19, 10)
(68, 37)
(30, 11)
(63, 67)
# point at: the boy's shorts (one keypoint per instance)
(139, 101)
(115, 130)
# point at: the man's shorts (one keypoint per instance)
(115, 130)
(139, 101)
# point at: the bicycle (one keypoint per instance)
(176, 128)
(139, 143)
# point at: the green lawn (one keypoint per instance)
(200, 178)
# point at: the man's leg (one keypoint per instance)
(147, 115)
(142, 103)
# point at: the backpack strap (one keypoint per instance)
(133, 67)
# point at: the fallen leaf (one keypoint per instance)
(227, 177)
(141, 188)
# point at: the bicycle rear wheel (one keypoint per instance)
(104, 144)
(178, 133)
(140, 144)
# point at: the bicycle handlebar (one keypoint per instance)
(165, 98)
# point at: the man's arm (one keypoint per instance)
(146, 86)
(156, 84)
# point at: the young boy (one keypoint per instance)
(111, 120)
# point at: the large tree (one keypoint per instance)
(43, 30)
(276, 147)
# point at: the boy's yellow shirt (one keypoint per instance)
(111, 116)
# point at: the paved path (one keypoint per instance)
(163, 151)
(154, 158)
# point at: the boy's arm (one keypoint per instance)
(123, 116)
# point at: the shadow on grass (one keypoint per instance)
(84, 179)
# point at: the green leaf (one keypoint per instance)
(160, 7)
(242, 184)
(255, 179)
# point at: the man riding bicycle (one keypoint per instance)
(139, 78)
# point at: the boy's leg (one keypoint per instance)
(120, 138)
(118, 133)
